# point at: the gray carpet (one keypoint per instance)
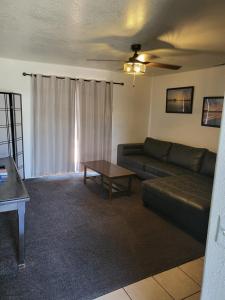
(80, 246)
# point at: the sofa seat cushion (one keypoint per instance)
(161, 169)
(190, 190)
(135, 161)
(186, 156)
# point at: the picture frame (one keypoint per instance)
(179, 100)
(212, 111)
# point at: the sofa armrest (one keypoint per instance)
(129, 149)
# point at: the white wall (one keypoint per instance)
(214, 269)
(185, 128)
(130, 105)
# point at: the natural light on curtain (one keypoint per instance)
(72, 123)
(93, 117)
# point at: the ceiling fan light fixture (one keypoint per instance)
(134, 68)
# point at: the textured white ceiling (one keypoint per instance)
(190, 33)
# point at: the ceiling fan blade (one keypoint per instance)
(93, 59)
(219, 65)
(144, 57)
(145, 62)
(164, 66)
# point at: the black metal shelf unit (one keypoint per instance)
(11, 129)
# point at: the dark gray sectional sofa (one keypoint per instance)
(179, 180)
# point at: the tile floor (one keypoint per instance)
(183, 282)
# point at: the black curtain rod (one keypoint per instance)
(59, 77)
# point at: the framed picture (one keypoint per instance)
(179, 100)
(212, 111)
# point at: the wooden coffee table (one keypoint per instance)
(110, 172)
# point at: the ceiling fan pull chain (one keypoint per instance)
(134, 80)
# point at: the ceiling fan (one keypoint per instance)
(136, 66)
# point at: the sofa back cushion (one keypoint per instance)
(156, 148)
(186, 156)
(208, 164)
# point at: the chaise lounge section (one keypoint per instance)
(179, 180)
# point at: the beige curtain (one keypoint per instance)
(93, 110)
(53, 125)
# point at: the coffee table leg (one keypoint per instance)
(129, 185)
(110, 189)
(85, 174)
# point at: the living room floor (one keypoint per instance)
(182, 282)
(80, 245)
